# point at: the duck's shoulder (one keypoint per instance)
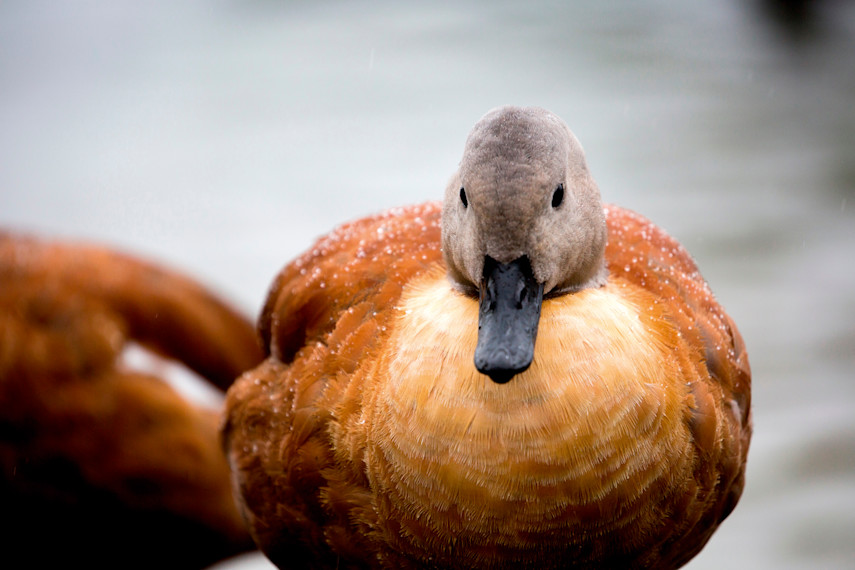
(360, 267)
(642, 254)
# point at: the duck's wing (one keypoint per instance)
(720, 415)
(326, 312)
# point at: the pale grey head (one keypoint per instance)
(522, 195)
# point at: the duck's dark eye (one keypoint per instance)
(557, 196)
(463, 198)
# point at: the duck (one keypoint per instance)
(518, 376)
(102, 462)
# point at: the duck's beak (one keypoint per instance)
(510, 299)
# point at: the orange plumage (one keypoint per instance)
(368, 439)
(103, 465)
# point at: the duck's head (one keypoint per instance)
(522, 218)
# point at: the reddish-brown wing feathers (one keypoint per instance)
(642, 253)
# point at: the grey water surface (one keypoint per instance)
(223, 137)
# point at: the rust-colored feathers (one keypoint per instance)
(367, 438)
(103, 465)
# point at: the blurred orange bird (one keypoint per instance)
(102, 464)
(518, 377)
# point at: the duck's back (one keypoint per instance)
(367, 438)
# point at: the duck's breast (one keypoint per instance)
(594, 439)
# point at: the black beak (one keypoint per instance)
(510, 300)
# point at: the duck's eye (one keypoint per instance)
(463, 198)
(557, 196)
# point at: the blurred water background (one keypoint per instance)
(223, 137)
